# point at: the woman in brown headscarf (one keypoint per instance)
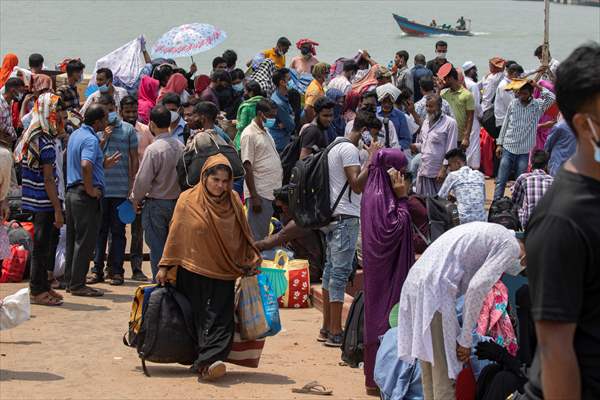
(211, 245)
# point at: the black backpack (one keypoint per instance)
(310, 204)
(352, 339)
(443, 216)
(291, 154)
(167, 334)
(194, 156)
(503, 212)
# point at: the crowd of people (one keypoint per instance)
(395, 136)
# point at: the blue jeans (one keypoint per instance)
(156, 216)
(341, 246)
(508, 162)
(110, 223)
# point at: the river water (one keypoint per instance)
(91, 29)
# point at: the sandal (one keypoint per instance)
(87, 292)
(323, 335)
(95, 278)
(215, 371)
(314, 387)
(116, 280)
(55, 294)
(45, 299)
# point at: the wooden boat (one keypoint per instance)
(415, 29)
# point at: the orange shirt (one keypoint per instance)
(313, 92)
(277, 59)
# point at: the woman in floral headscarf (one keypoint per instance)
(38, 156)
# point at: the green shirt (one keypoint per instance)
(460, 102)
(245, 115)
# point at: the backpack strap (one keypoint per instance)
(186, 310)
(420, 234)
(339, 198)
(153, 314)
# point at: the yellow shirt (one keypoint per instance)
(313, 92)
(277, 59)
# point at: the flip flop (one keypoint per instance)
(215, 371)
(45, 299)
(315, 388)
(55, 294)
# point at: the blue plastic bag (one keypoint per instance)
(270, 305)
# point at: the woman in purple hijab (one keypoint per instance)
(386, 247)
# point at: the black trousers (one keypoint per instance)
(495, 383)
(45, 241)
(136, 248)
(212, 302)
(83, 214)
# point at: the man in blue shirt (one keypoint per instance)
(85, 186)
(284, 122)
(561, 145)
(119, 137)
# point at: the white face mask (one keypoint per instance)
(441, 54)
(516, 268)
(595, 141)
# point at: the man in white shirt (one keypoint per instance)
(474, 150)
(548, 72)
(368, 102)
(263, 168)
(490, 82)
(346, 182)
(343, 82)
(104, 80)
(504, 97)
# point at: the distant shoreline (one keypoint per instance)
(589, 3)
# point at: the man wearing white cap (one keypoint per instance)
(474, 151)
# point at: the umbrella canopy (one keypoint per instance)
(187, 40)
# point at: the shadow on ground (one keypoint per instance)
(7, 375)
(23, 342)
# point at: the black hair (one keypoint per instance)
(426, 83)
(420, 59)
(265, 106)
(95, 112)
(75, 66)
(220, 75)
(106, 72)
(361, 121)
(208, 109)
(106, 99)
(440, 43)
(36, 60)
(508, 63)
(408, 176)
(161, 116)
(171, 98)
(350, 65)
(162, 73)
(283, 41)
(456, 153)
(279, 75)
(237, 74)
(192, 101)
(405, 94)
(128, 101)
(323, 103)
(453, 73)
(539, 51)
(374, 123)
(403, 54)
(366, 95)
(218, 60)
(578, 81)
(13, 83)
(436, 97)
(282, 194)
(219, 167)
(254, 87)
(230, 58)
(515, 69)
(539, 160)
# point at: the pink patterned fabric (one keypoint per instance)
(494, 320)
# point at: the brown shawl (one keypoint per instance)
(207, 237)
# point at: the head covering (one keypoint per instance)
(367, 82)
(264, 76)
(320, 69)
(516, 84)
(8, 63)
(147, 95)
(468, 65)
(312, 44)
(498, 62)
(387, 90)
(200, 83)
(24, 74)
(218, 243)
(177, 83)
(44, 121)
(382, 73)
(40, 82)
(387, 248)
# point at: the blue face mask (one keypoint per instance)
(103, 89)
(112, 117)
(238, 87)
(290, 84)
(269, 123)
(595, 141)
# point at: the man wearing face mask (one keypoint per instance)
(156, 184)
(173, 104)
(466, 260)
(284, 123)
(263, 168)
(517, 136)
(13, 91)
(83, 203)
(563, 238)
(441, 49)
(104, 81)
(277, 53)
(306, 60)
(120, 139)
(368, 102)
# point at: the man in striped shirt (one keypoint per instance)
(517, 135)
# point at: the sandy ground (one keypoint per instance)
(76, 352)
